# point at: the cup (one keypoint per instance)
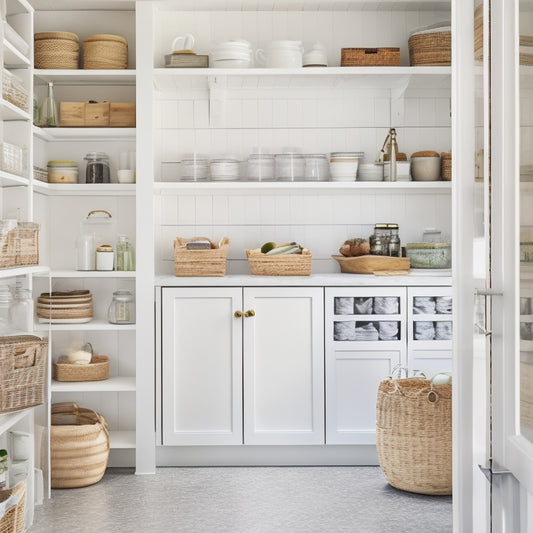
(126, 176)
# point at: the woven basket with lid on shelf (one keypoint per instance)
(105, 51)
(56, 50)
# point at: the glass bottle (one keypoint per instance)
(21, 310)
(125, 254)
(122, 308)
(6, 300)
(395, 248)
(49, 118)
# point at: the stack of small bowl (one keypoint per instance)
(64, 307)
(232, 54)
(343, 165)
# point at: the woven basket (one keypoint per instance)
(22, 371)
(364, 57)
(478, 33)
(200, 262)
(12, 521)
(96, 370)
(414, 435)
(56, 50)
(446, 166)
(79, 446)
(20, 245)
(433, 48)
(105, 51)
(279, 265)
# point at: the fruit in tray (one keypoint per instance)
(355, 247)
(271, 248)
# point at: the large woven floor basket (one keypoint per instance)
(12, 518)
(414, 435)
(79, 441)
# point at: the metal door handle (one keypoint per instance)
(488, 292)
(237, 314)
(249, 313)
(485, 332)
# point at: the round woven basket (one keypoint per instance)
(56, 50)
(414, 435)
(105, 51)
(79, 446)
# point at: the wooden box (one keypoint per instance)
(96, 115)
(121, 115)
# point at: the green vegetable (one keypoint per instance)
(267, 247)
(284, 249)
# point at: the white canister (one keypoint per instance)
(20, 445)
(105, 257)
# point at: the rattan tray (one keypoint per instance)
(200, 262)
(96, 370)
(279, 265)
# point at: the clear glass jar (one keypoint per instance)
(97, 170)
(194, 167)
(225, 169)
(316, 167)
(290, 167)
(125, 258)
(395, 249)
(21, 310)
(260, 167)
(6, 300)
(122, 308)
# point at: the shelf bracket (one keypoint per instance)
(217, 100)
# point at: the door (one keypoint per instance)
(201, 366)
(283, 365)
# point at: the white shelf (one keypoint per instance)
(101, 274)
(394, 78)
(8, 111)
(121, 439)
(180, 187)
(8, 420)
(83, 5)
(84, 134)
(82, 189)
(23, 271)
(114, 384)
(85, 77)
(11, 180)
(13, 58)
(93, 325)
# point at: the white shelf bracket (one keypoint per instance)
(217, 100)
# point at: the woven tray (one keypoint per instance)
(200, 262)
(105, 51)
(22, 371)
(433, 48)
(369, 264)
(414, 435)
(12, 521)
(96, 370)
(56, 50)
(364, 57)
(279, 265)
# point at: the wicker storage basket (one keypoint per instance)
(200, 262)
(19, 245)
(478, 33)
(56, 50)
(430, 48)
(79, 446)
(414, 435)
(279, 265)
(446, 166)
(12, 520)
(96, 370)
(364, 57)
(105, 51)
(22, 371)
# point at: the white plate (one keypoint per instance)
(64, 320)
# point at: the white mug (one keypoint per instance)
(126, 176)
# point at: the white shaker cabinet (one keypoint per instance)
(220, 342)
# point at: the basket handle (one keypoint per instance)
(371, 50)
(65, 407)
(99, 211)
(26, 357)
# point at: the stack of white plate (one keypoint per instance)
(370, 172)
(343, 165)
(232, 54)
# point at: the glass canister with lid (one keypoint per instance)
(122, 308)
(260, 166)
(316, 167)
(194, 167)
(225, 168)
(290, 166)
(97, 169)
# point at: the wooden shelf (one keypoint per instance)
(13, 58)
(9, 112)
(11, 180)
(8, 420)
(96, 274)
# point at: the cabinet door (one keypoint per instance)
(201, 366)
(365, 339)
(284, 366)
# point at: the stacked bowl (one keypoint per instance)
(343, 165)
(232, 54)
(65, 307)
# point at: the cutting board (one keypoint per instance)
(368, 264)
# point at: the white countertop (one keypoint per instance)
(416, 278)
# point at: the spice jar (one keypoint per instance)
(122, 308)
(97, 170)
(104, 257)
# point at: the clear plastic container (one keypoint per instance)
(316, 167)
(122, 308)
(6, 300)
(260, 167)
(194, 167)
(290, 167)
(97, 170)
(21, 310)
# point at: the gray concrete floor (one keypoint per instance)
(243, 500)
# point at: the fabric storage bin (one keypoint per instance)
(431, 46)
(414, 435)
(362, 57)
(79, 446)
(56, 50)
(12, 507)
(279, 265)
(22, 371)
(105, 51)
(211, 262)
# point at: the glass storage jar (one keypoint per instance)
(316, 167)
(97, 170)
(21, 310)
(290, 166)
(225, 168)
(122, 308)
(260, 167)
(194, 167)
(125, 259)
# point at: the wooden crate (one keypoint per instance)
(121, 115)
(97, 114)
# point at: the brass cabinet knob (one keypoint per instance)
(250, 312)
(237, 314)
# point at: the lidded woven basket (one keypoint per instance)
(414, 435)
(105, 51)
(56, 50)
(431, 47)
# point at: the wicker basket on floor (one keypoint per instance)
(12, 521)
(414, 435)
(79, 446)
